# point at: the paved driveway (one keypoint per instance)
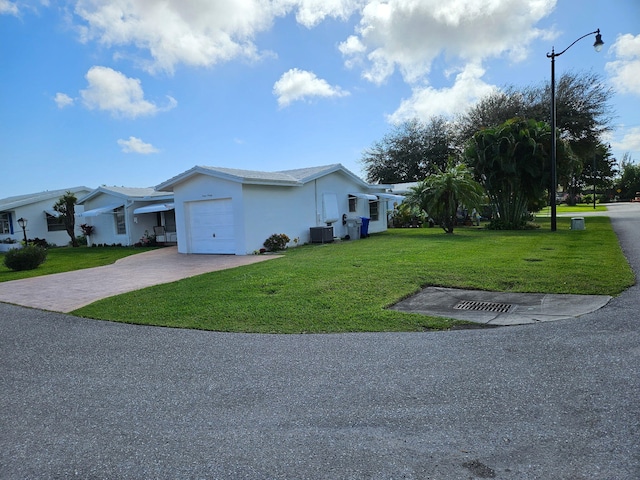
(91, 399)
(68, 291)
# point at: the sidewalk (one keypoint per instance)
(65, 292)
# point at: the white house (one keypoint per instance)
(230, 211)
(124, 216)
(41, 220)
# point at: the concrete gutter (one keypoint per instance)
(496, 308)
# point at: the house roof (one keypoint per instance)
(401, 188)
(128, 193)
(11, 203)
(293, 178)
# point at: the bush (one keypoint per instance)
(40, 242)
(277, 241)
(27, 258)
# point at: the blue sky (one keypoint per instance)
(133, 92)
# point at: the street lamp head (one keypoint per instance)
(598, 43)
(22, 222)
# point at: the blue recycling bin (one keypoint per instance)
(364, 229)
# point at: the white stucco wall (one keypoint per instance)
(294, 210)
(37, 223)
(105, 223)
(262, 210)
(269, 210)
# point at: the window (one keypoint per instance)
(5, 223)
(353, 203)
(54, 224)
(373, 210)
(121, 227)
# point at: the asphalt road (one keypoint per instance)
(90, 399)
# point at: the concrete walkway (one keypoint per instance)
(65, 292)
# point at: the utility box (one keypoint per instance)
(321, 234)
(577, 223)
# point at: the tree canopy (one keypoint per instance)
(411, 152)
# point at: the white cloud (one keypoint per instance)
(428, 101)
(63, 100)
(114, 92)
(625, 71)
(8, 8)
(630, 141)
(299, 84)
(135, 145)
(408, 35)
(193, 32)
(311, 12)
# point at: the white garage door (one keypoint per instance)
(211, 226)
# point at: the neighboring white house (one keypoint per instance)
(41, 220)
(123, 215)
(230, 211)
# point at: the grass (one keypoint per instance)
(580, 207)
(347, 286)
(66, 259)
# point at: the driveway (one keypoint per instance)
(68, 291)
(91, 399)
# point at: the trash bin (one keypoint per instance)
(364, 229)
(353, 228)
(577, 223)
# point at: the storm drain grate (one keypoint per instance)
(483, 306)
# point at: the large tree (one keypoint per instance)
(511, 161)
(599, 170)
(583, 116)
(442, 193)
(583, 111)
(412, 151)
(629, 181)
(66, 207)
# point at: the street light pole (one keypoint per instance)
(554, 176)
(593, 179)
(22, 222)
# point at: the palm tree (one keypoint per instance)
(512, 161)
(441, 194)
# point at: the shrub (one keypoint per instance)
(277, 241)
(40, 242)
(27, 258)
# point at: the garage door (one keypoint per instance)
(211, 226)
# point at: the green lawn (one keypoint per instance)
(66, 259)
(346, 286)
(581, 207)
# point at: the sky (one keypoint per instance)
(133, 92)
